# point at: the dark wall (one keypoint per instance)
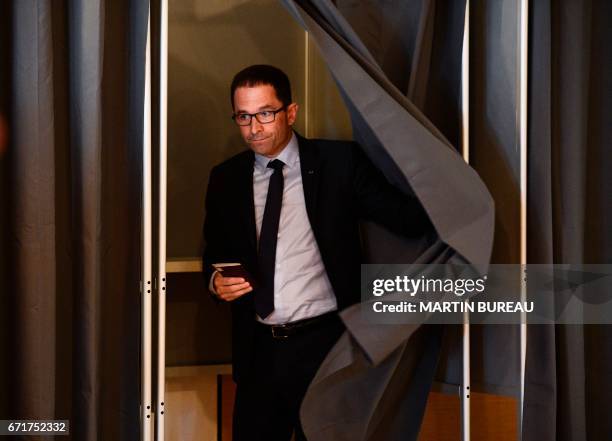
(198, 329)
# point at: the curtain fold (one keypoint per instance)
(33, 209)
(495, 155)
(5, 88)
(569, 367)
(74, 165)
(86, 39)
(390, 368)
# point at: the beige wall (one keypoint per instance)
(209, 41)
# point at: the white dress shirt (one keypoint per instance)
(301, 286)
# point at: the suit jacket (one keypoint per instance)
(341, 187)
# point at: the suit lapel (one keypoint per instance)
(309, 164)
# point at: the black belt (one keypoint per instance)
(287, 329)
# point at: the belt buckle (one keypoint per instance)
(275, 335)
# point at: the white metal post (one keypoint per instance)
(523, 78)
(162, 186)
(465, 138)
(146, 285)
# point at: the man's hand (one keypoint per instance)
(230, 288)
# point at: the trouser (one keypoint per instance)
(268, 403)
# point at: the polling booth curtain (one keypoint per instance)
(569, 367)
(377, 49)
(4, 106)
(417, 44)
(374, 383)
(76, 75)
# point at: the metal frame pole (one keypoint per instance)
(161, 261)
(465, 138)
(146, 285)
(523, 105)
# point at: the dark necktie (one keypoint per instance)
(264, 298)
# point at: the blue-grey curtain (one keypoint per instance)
(73, 167)
(408, 49)
(375, 381)
(5, 31)
(569, 367)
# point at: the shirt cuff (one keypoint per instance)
(211, 284)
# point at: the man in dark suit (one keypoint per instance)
(288, 210)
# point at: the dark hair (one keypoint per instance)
(259, 74)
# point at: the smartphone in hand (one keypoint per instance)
(234, 270)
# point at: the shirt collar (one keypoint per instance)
(289, 155)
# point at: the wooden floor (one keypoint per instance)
(493, 417)
(191, 402)
(199, 402)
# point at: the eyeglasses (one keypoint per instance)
(264, 117)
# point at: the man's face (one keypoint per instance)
(266, 139)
